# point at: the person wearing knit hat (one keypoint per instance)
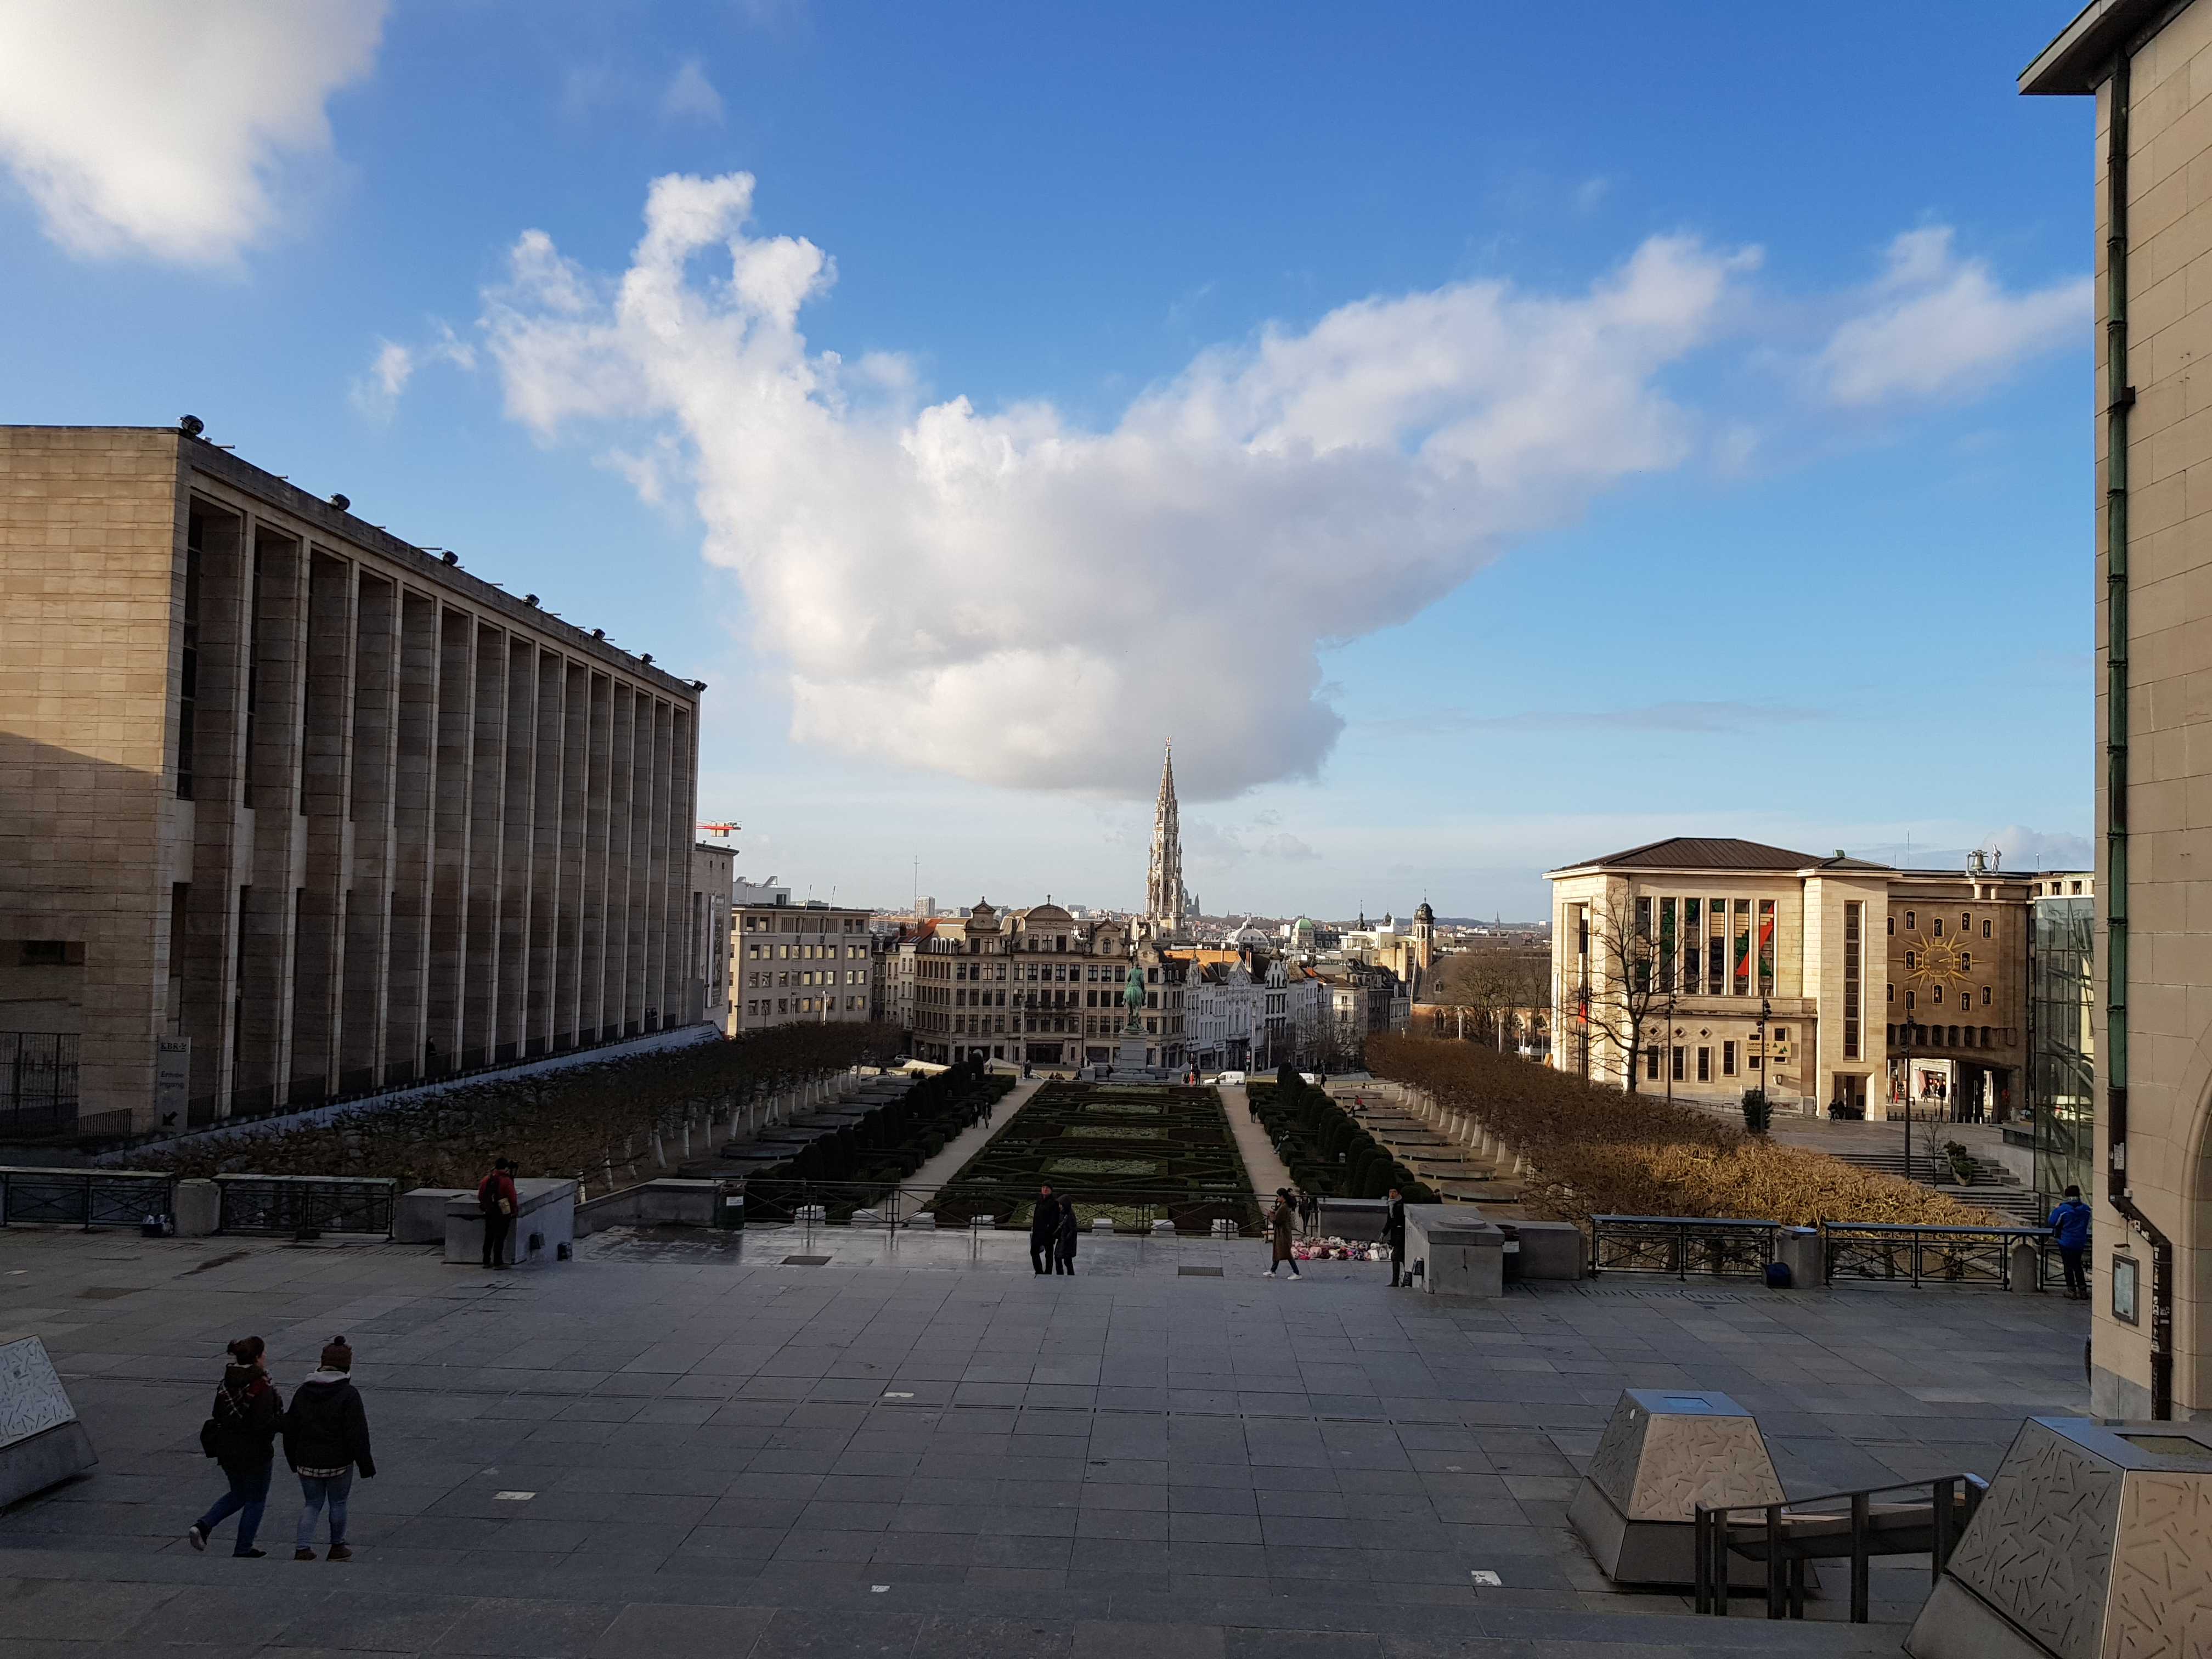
(325, 1439)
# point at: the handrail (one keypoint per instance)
(1897, 1531)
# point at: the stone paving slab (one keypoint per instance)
(919, 1451)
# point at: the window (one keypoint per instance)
(1986, 1037)
(1766, 942)
(2077, 887)
(1741, 977)
(1651, 1062)
(1704, 1066)
(1851, 981)
(1965, 961)
(1935, 996)
(1908, 921)
(1677, 1065)
(1910, 961)
(1728, 1060)
(1965, 923)
(1893, 926)
(1889, 994)
(1985, 996)
(1936, 925)
(1908, 1002)
(1985, 927)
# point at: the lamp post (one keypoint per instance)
(1765, 1071)
(1906, 1031)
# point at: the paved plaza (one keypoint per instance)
(919, 1449)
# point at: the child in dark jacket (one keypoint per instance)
(241, 1436)
(325, 1439)
(1063, 1252)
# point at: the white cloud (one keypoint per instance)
(692, 93)
(1938, 325)
(1012, 600)
(377, 393)
(2037, 850)
(161, 128)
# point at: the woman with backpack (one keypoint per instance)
(241, 1436)
(325, 1439)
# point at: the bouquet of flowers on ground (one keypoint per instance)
(1339, 1249)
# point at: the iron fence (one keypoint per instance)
(1835, 1526)
(302, 1206)
(775, 1200)
(38, 1084)
(84, 1198)
(1911, 1253)
(1679, 1246)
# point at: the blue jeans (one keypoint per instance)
(247, 1496)
(315, 1489)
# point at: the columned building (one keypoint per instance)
(2147, 65)
(291, 808)
(1715, 965)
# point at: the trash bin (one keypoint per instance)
(730, 1206)
(1511, 1263)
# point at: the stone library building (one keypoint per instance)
(292, 810)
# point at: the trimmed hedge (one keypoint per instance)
(1323, 1146)
(889, 1144)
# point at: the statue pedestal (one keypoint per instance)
(1129, 1052)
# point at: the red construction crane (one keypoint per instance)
(721, 828)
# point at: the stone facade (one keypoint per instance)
(297, 809)
(2148, 66)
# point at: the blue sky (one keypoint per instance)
(1482, 436)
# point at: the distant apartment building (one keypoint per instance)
(809, 961)
(712, 881)
(290, 809)
(1035, 986)
(1826, 980)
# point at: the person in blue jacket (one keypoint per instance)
(2070, 1227)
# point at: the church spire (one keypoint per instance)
(1166, 904)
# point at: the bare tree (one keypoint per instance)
(1632, 1006)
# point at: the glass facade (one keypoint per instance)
(2061, 1048)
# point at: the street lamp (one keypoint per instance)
(1906, 1031)
(1765, 1071)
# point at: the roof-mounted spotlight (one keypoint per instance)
(599, 633)
(191, 426)
(646, 659)
(341, 503)
(530, 599)
(452, 558)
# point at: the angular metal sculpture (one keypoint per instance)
(1664, 1452)
(42, 1442)
(2094, 1542)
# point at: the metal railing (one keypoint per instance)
(1679, 1246)
(301, 1207)
(1911, 1253)
(775, 1201)
(84, 1198)
(1833, 1527)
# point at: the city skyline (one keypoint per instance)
(1719, 468)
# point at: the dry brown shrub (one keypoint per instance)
(1603, 1151)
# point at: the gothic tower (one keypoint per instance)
(1167, 906)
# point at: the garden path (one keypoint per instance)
(925, 1182)
(1252, 1146)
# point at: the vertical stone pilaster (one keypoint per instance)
(572, 928)
(413, 805)
(487, 812)
(326, 770)
(594, 1012)
(517, 855)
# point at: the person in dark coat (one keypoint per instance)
(240, 1435)
(1044, 1231)
(1393, 1233)
(496, 1197)
(2069, 1227)
(1280, 1219)
(326, 1440)
(1063, 1254)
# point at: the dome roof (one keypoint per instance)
(1424, 914)
(1045, 915)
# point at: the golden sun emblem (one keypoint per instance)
(1935, 962)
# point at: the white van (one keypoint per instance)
(1229, 1079)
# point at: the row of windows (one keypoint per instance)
(1964, 997)
(1051, 973)
(817, 977)
(803, 923)
(1959, 1036)
(1704, 1063)
(1936, 925)
(758, 952)
(759, 1006)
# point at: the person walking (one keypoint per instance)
(326, 1440)
(1279, 1221)
(2070, 1230)
(1063, 1256)
(240, 1435)
(496, 1197)
(1044, 1231)
(1309, 1207)
(1393, 1233)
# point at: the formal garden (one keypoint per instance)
(1599, 1150)
(609, 1123)
(1131, 1155)
(1325, 1149)
(855, 1167)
